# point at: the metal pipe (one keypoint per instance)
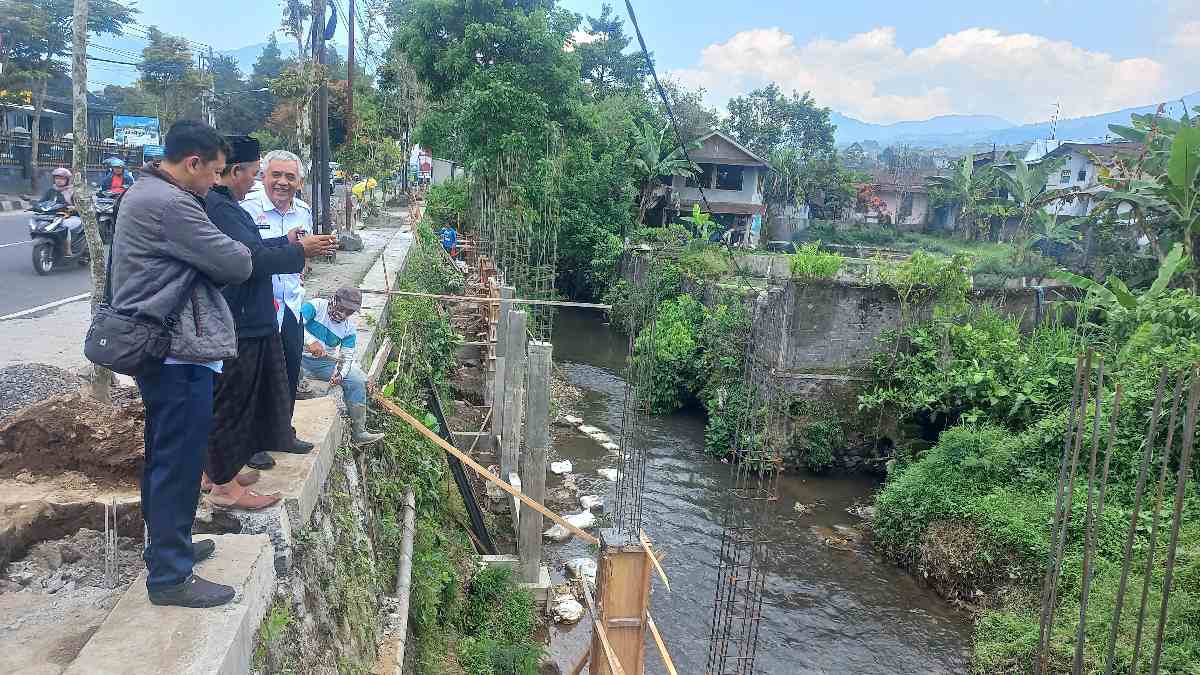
(404, 577)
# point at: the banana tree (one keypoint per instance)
(964, 188)
(655, 159)
(1027, 185)
(1173, 198)
(701, 223)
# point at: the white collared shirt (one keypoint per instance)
(288, 288)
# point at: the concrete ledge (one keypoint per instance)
(373, 314)
(298, 478)
(13, 204)
(139, 638)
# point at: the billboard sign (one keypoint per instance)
(135, 130)
(151, 151)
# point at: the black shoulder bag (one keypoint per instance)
(127, 344)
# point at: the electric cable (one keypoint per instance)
(663, 95)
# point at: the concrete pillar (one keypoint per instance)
(498, 398)
(533, 462)
(513, 402)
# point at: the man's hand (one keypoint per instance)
(315, 245)
(316, 350)
(336, 379)
(293, 235)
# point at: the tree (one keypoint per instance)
(964, 189)
(497, 75)
(605, 66)
(38, 36)
(1027, 187)
(296, 15)
(168, 75)
(654, 158)
(766, 118)
(269, 64)
(237, 107)
(101, 384)
(694, 117)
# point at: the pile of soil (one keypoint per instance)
(72, 432)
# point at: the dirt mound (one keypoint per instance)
(72, 432)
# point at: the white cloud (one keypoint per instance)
(1187, 36)
(580, 37)
(977, 70)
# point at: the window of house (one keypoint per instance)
(729, 177)
(1083, 174)
(1065, 176)
(704, 178)
(906, 206)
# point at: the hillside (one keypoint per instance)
(965, 130)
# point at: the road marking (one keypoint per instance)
(48, 305)
(16, 243)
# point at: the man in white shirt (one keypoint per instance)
(277, 211)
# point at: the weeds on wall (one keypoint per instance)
(810, 263)
(817, 434)
(444, 610)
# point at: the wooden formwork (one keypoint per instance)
(622, 598)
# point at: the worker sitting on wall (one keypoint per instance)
(329, 329)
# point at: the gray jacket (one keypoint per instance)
(164, 242)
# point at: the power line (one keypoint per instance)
(663, 95)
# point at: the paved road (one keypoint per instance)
(20, 287)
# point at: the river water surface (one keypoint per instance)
(827, 609)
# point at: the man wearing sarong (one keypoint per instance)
(252, 406)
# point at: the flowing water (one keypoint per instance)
(827, 608)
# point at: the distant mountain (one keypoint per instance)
(966, 130)
(850, 130)
(246, 56)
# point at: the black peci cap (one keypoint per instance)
(245, 149)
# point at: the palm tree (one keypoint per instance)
(651, 162)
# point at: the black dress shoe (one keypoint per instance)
(260, 460)
(300, 447)
(195, 592)
(203, 549)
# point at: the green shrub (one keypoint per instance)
(705, 262)
(446, 202)
(810, 262)
(722, 362)
(665, 358)
(499, 620)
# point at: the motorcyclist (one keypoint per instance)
(118, 179)
(61, 193)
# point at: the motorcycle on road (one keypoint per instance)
(53, 241)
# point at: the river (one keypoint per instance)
(826, 609)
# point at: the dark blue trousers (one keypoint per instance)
(179, 409)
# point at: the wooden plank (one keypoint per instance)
(581, 664)
(623, 592)
(397, 411)
(613, 663)
(662, 574)
(662, 647)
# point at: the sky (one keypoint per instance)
(878, 61)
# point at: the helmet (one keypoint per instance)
(114, 162)
(60, 171)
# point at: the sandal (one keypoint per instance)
(245, 479)
(248, 501)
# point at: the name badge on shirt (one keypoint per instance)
(263, 224)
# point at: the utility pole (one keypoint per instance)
(101, 378)
(318, 33)
(350, 115)
(212, 92)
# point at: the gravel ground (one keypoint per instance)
(27, 383)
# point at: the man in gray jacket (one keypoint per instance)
(168, 260)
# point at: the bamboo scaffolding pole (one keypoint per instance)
(662, 646)
(485, 300)
(613, 664)
(662, 574)
(397, 411)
